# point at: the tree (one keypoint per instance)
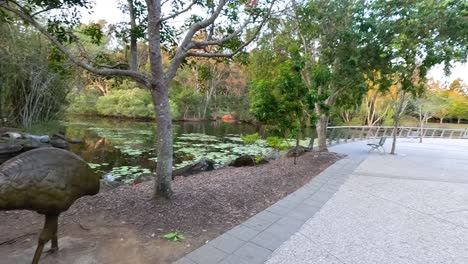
(459, 107)
(426, 105)
(223, 24)
(33, 81)
(333, 46)
(284, 101)
(416, 35)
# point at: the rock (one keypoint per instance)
(58, 136)
(199, 166)
(74, 141)
(144, 178)
(297, 152)
(59, 143)
(243, 161)
(274, 155)
(42, 139)
(10, 148)
(108, 185)
(31, 144)
(12, 135)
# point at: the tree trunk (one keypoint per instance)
(133, 58)
(441, 120)
(322, 132)
(162, 182)
(396, 119)
(421, 122)
(458, 120)
(297, 144)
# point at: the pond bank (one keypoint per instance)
(124, 225)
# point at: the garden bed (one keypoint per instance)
(124, 225)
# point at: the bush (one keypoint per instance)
(250, 139)
(82, 102)
(277, 143)
(133, 103)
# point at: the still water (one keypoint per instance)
(126, 149)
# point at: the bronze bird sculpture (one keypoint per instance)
(48, 181)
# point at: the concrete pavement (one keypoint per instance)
(408, 208)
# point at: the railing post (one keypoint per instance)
(451, 133)
(331, 137)
(385, 132)
(409, 132)
(361, 136)
(401, 132)
(442, 134)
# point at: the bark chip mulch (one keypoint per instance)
(125, 223)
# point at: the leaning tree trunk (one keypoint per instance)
(162, 181)
(396, 120)
(322, 132)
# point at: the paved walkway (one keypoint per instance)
(408, 208)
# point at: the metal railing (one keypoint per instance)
(339, 134)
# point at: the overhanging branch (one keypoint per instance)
(26, 17)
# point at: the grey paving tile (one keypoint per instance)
(227, 243)
(184, 260)
(243, 232)
(253, 253)
(206, 255)
(267, 215)
(288, 204)
(284, 231)
(313, 202)
(304, 212)
(322, 196)
(279, 210)
(261, 222)
(268, 240)
(233, 259)
(291, 222)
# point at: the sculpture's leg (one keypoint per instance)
(54, 246)
(46, 235)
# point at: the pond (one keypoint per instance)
(126, 149)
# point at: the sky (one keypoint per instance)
(108, 10)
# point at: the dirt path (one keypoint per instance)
(125, 226)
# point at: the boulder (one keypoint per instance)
(59, 143)
(144, 178)
(197, 167)
(297, 152)
(12, 135)
(10, 148)
(274, 155)
(243, 161)
(58, 136)
(42, 139)
(74, 141)
(31, 144)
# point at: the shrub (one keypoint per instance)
(250, 139)
(277, 143)
(82, 102)
(134, 103)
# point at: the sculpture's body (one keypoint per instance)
(48, 181)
